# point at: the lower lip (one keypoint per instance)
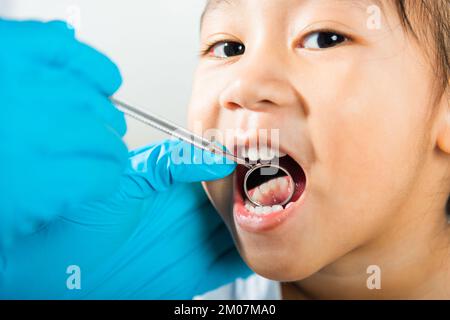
(253, 222)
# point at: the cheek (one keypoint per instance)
(204, 111)
(367, 138)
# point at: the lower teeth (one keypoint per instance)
(289, 204)
(264, 210)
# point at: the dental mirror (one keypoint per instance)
(269, 184)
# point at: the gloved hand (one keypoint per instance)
(156, 237)
(60, 135)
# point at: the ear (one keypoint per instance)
(443, 137)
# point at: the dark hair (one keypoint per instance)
(429, 22)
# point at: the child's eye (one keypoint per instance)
(226, 49)
(323, 40)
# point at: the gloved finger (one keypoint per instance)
(107, 111)
(191, 164)
(54, 44)
(95, 68)
(38, 123)
(81, 178)
(78, 97)
(57, 185)
(48, 42)
(76, 178)
(72, 134)
(175, 161)
(49, 90)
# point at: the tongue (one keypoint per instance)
(272, 192)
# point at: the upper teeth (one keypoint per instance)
(261, 153)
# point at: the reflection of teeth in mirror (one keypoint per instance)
(273, 186)
(264, 188)
(283, 183)
(256, 194)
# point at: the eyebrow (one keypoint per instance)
(213, 5)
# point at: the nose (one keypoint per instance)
(259, 83)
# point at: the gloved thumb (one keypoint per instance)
(157, 167)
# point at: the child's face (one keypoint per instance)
(353, 109)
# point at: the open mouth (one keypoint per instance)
(269, 191)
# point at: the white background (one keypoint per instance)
(154, 42)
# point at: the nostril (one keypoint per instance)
(233, 105)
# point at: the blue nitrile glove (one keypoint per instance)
(60, 136)
(157, 237)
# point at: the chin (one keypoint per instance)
(280, 257)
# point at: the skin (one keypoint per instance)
(374, 145)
